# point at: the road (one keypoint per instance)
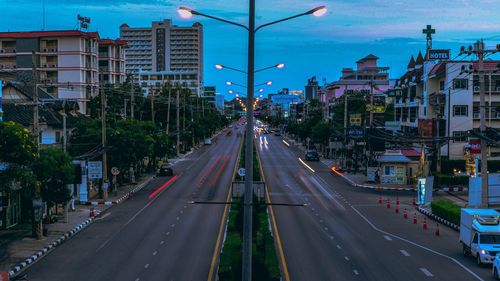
(157, 235)
(343, 233)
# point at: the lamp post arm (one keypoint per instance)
(281, 20)
(265, 68)
(219, 19)
(234, 69)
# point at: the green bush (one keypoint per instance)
(446, 210)
(450, 180)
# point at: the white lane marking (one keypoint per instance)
(331, 237)
(161, 242)
(355, 272)
(426, 272)
(173, 225)
(287, 144)
(404, 253)
(155, 252)
(177, 218)
(182, 212)
(307, 166)
(168, 233)
(346, 258)
(146, 266)
(417, 245)
(137, 279)
(387, 237)
(338, 246)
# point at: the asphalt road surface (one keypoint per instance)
(157, 235)
(343, 233)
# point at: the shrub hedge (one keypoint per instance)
(446, 210)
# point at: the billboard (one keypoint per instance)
(435, 54)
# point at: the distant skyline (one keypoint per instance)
(309, 46)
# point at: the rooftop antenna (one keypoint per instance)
(82, 22)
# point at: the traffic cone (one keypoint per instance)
(437, 229)
(425, 224)
(129, 195)
(405, 214)
(397, 209)
(91, 213)
(397, 200)
(414, 201)
(380, 200)
(388, 204)
(415, 218)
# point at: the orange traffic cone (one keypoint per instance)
(415, 218)
(380, 200)
(129, 195)
(397, 209)
(437, 229)
(91, 213)
(405, 214)
(397, 200)
(425, 224)
(414, 203)
(388, 204)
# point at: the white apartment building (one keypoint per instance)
(164, 47)
(66, 62)
(112, 61)
(155, 80)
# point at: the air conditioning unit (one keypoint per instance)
(54, 65)
(45, 65)
(13, 50)
(477, 89)
(498, 89)
(2, 51)
(1, 66)
(476, 115)
(45, 50)
(54, 50)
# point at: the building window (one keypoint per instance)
(441, 85)
(460, 136)
(460, 110)
(389, 171)
(460, 83)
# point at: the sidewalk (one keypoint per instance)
(18, 248)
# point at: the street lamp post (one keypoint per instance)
(247, 215)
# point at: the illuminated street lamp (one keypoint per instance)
(247, 213)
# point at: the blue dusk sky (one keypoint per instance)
(351, 29)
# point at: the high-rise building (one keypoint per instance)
(112, 61)
(219, 102)
(164, 47)
(312, 88)
(66, 62)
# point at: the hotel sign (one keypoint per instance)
(439, 54)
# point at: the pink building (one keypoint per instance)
(366, 76)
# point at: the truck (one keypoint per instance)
(480, 234)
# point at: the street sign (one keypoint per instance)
(355, 119)
(94, 169)
(241, 172)
(435, 54)
(115, 171)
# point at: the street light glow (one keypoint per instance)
(219, 66)
(229, 83)
(261, 90)
(230, 91)
(318, 11)
(185, 12)
(280, 65)
(269, 83)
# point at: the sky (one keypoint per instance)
(308, 46)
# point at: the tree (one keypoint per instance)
(17, 144)
(320, 133)
(54, 170)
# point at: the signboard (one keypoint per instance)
(439, 54)
(475, 146)
(355, 132)
(1, 111)
(493, 190)
(94, 169)
(355, 119)
(3, 166)
(115, 171)
(425, 186)
(241, 172)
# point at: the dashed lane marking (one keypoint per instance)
(404, 253)
(338, 246)
(162, 242)
(355, 272)
(387, 237)
(146, 266)
(426, 272)
(155, 252)
(346, 258)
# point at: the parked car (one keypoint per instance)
(207, 141)
(496, 266)
(312, 155)
(166, 170)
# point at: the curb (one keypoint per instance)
(438, 219)
(373, 187)
(70, 233)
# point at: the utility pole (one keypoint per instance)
(36, 120)
(104, 153)
(345, 125)
(178, 123)
(132, 100)
(64, 130)
(479, 48)
(248, 204)
(152, 96)
(184, 112)
(168, 107)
